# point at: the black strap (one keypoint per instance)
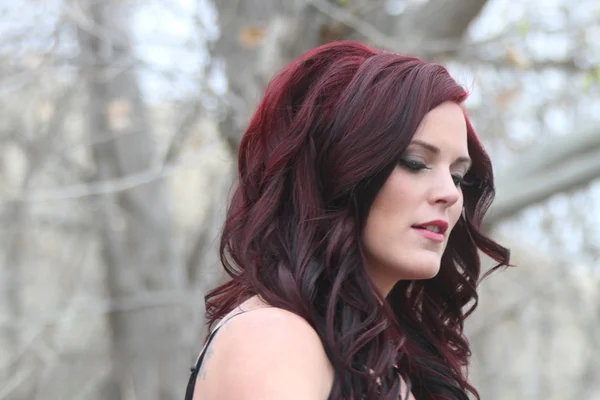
(189, 393)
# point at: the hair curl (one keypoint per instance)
(325, 137)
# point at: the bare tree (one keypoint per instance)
(135, 226)
(103, 274)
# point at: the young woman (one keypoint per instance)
(352, 238)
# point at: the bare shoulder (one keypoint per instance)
(267, 353)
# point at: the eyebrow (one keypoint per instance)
(432, 149)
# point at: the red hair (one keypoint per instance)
(325, 137)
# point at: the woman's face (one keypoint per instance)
(410, 220)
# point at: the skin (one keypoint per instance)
(271, 353)
(425, 186)
(265, 354)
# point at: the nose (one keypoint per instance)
(445, 192)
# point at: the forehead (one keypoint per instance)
(445, 127)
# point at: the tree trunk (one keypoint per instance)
(10, 295)
(258, 37)
(149, 347)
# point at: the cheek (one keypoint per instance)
(384, 218)
(456, 212)
(391, 201)
(377, 226)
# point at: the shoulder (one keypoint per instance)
(267, 353)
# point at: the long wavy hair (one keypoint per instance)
(328, 132)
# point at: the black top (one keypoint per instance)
(189, 393)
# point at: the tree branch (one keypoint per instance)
(440, 22)
(565, 164)
(110, 185)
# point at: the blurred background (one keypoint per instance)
(119, 122)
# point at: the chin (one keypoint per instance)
(421, 273)
(425, 268)
(420, 266)
(430, 272)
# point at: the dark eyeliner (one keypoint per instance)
(412, 165)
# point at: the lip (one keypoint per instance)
(440, 223)
(434, 236)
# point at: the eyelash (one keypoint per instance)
(416, 166)
(413, 165)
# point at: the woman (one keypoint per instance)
(352, 239)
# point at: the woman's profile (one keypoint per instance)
(352, 237)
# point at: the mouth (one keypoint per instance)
(433, 230)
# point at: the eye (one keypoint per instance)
(458, 179)
(412, 165)
(469, 182)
